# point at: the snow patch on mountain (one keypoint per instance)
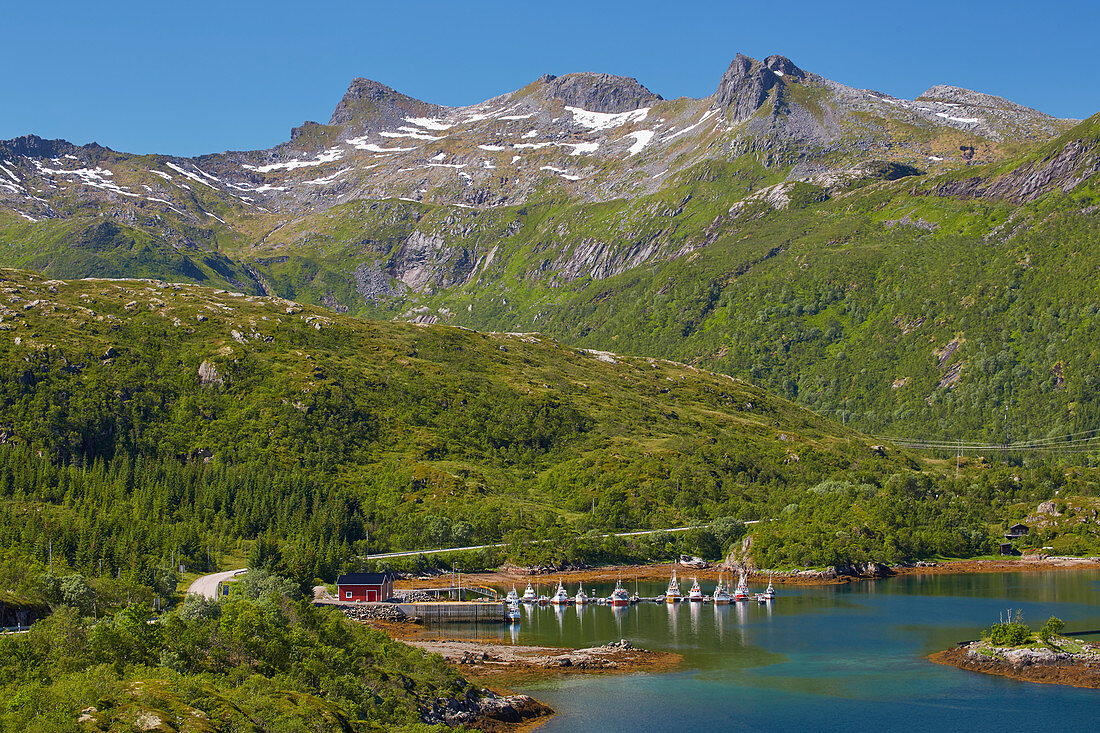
(641, 139)
(582, 148)
(706, 116)
(428, 123)
(326, 157)
(360, 143)
(94, 177)
(409, 132)
(332, 176)
(606, 120)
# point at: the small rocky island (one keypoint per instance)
(1011, 649)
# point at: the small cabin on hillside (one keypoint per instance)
(1016, 531)
(364, 586)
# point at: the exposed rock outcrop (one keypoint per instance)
(744, 87)
(209, 375)
(369, 104)
(425, 259)
(1051, 666)
(483, 709)
(599, 92)
(1062, 169)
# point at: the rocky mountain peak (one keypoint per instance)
(784, 67)
(747, 82)
(368, 102)
(599, 92)
(34, 146)
(960, 96)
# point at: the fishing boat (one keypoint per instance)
(672, 595)
(512, 595)
(635, 598)
(619, 596)
(742, 592)
(581, 597)
(529, 594)
(721, 595)
(769, 594)
(560, 598)
(695, 595)
(512, 615)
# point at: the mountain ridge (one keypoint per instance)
(501, 214)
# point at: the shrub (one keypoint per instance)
(1052, 628)
(1012, 632)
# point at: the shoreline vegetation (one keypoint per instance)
(829, 576)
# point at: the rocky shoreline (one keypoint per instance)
(486, 711)
(1047, 666)
(828, 576)
(495, 660)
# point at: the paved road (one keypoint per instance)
(410, 553)
(207, 585)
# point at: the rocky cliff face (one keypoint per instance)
(600, 92)
(747, 84)
(1062, 168)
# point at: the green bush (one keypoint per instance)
(1012, 632)
(1052, 628)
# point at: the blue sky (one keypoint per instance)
(196, 77)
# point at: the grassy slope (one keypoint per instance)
(425, 418)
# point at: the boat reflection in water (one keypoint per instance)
(695, 609)
(673, 613)
(618, 613)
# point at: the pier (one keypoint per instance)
(455, 611)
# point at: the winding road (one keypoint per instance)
(207, 585)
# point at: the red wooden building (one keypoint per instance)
(364, 586)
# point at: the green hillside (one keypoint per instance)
(927, 306)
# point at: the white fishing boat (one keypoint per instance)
(512, 595)
(672, 595)
(695, 595)
(769, 594)
(529, 594)
(742, 592)
(721, 595)
(512, 615)
(560, 597)
(581, 597)
(619, 596)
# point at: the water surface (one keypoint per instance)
(817, 658)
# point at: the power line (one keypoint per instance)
(1072, 442)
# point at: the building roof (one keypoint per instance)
(364, 578)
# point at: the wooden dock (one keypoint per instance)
(442, 612)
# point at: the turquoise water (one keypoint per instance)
(818, 658)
